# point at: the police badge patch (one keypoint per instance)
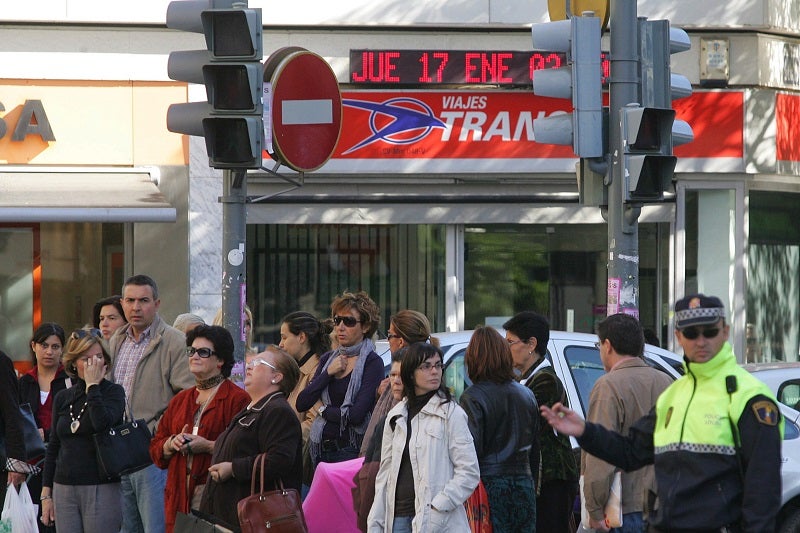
(766, 412)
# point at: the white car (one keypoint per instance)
(576, 360)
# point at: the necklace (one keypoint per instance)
(210, 383)
(76, 420)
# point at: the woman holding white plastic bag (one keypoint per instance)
(12, 455)
(19, 512)
(74, 493)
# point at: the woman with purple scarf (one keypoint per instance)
(345, 382)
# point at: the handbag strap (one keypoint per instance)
(258, 464)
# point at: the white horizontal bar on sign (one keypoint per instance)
(296, 112)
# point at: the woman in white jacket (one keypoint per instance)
(428, 463)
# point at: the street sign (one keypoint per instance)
(306, 108)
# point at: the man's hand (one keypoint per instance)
(563, 420)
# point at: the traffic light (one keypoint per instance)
(230, 68)
(581, 81)
(659, 85)
(649, 165)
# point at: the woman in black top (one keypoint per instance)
(74, 494)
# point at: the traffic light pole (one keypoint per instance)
(234, 195)
(623, 218)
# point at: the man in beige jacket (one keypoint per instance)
(149, 361)
(627, 392)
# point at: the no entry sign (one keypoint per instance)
(306, 110)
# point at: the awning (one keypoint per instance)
(60, 195)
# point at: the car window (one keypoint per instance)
(585, 367)
(789, 393)
(455, 374)
(659, 366)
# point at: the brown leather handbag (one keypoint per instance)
(276, 511)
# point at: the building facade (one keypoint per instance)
(461, 215)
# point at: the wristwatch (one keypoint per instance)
(322, 409)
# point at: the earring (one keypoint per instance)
(274, 382)
(530, 353)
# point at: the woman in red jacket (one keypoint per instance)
(194, 419)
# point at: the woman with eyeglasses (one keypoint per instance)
(75, 496)
(405, 328)
(504, 421)
(428, 463)
(345, 381)
(527, 334)
(40, 385)
(267, 425)
(194, 419)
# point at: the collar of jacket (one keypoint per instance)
(713, 367)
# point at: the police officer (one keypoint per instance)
(714, 435)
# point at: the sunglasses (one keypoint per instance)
(205, 353)
(389, 336)
(693, 333)
(349, 321)
(78, 334)
(254, 362)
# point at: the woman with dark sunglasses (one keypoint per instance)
(345, 381)
(75, 496)
(195, 417)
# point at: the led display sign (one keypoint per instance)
(452, 67)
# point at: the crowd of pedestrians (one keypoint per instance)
(420, 457)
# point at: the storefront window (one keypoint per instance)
(557, 270)
(54, 272)
(773, 278)
(303, 267)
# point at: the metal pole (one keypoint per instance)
(233, 199)
(623, 229)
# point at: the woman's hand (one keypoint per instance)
(564, 420)
(48, 512)
(338, 365)
(198, 444)
(94, 371)
(221, 472)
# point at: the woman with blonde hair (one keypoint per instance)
(74, 494)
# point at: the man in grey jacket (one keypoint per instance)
(149, 362)
(625, 393)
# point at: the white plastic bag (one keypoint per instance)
(19, 511)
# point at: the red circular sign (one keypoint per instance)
(306, 108)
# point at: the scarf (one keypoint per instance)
(355, 433)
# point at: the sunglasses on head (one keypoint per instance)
(349, 321)
(205, 353)
(693, 333)
(78, 334)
